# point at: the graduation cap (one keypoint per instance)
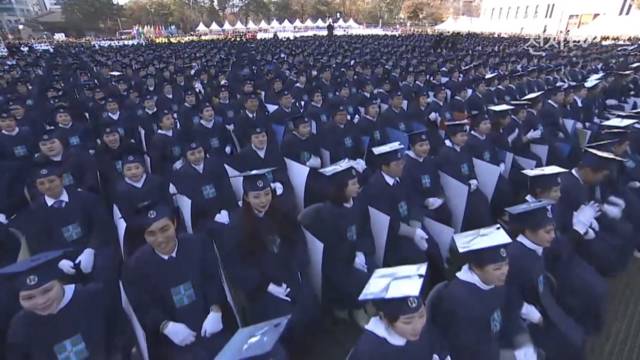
(595, 77)
(255, 180)
(533, 96)
(589, 84)
(533, 215)
(417, 137)
(133, 159)
(298, 120)
(544, 178)
(484, 246)
(46, 171)
(190, 146)
(147, 213)
(340, 172)
(619, 123)
(616, 135)
(396, 291)
(257, 341)
(388, 153)
(51, 135)
(598, 159)
(500, 109)
(34, 272)
(456, 127)
(518, 104)
(634, 66)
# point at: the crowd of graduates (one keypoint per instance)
(155, 189)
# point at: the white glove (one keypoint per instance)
(279, 291)
(222, 217)
(227, 149)
(212, 324)
(278, 188)
(433, 203)
(179, 333)
(583, 217)
(617, 202)
(420, 238)
(360, 261)
(502, 166)
(527, 352)
(594, 225)
(534, 134)
(67, 267)
(359, 165)
(579, 125)
(85, 260)
(612, 211)
(230, 127)
(436, 357)
(473, 184)
(513, 136)
(590, 235)
(314, 162)
(530, 313)
(634, 184)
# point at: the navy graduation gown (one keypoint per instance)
(19, 147)
(164, 151)
(342, 142)
(300, 150)
(77, 331)
(78, 169)
(180, 289)
(423, 181)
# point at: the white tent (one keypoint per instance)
(611, 25)
(263, 25)
(239, 26)
(227, 26)
(286, 24)
(320, 23)
(352, 24)
(214, 27)
(251, 25)
(309, 23)
(298, 23)
(274, 24)
(201, 28)
(340, 23)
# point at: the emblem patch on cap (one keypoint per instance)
(260, 183)
(549, 215)
(412, 302)
(43, 172)
(130, 158)
(32, 280)
(503, 252)
(151, 214)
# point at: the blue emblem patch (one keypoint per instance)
(496, 321)
(352, 233)
(183, 294)
(74, 140)
(208, 191)
(426, 181)
(176, 151)
(121, 131)
(67, 179)
(403, 209)
(72, 232)
(304, 157)
(118, 165)
(195, 119)
(348, 142)
(376, 135)
(269, 176)
(540, 284)
(20, 151)
(73, 348)
(486, 156)
(402, 126)
(323, 117)
(214, 142)
(464, 168)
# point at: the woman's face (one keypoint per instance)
(195, 157)
(422, 149)
(353, 188)
(43, 300)
(493, 274)
(133, 172)
(259, 200)
(410, 326)
(552, 194)
(543, 237)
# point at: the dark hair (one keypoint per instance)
(337, 191)
(253, 242)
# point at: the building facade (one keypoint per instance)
(550, 17)
(13, 13)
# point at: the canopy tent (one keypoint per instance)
(320, 23)
(214, 27)
(274, 24)
(227, 26)
(465, 23)
(251, 25)
(309, 23)
(352, 24)
(298, 23)
(286, 24)
(263, 25)
(239, 26)
(609, 25)
(201, 28)
(340, 23)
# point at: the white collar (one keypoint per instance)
(390, 180)
(250, 114)
(285, 109)
(348, 204)
(439, 102)
(552, 103)
(473, 132)
(413, 155)
(65, 126)
(528, 243)
(578, 100)
(381, 329)
(68, 294)
(169, 133)
(207, 124)
(14, 132)
(150, 111)
(260, 152)
(114, 116)
(458, 97)
(370, 118)
(56, 158)
(173, 253)
(64, 197)
(574, 171)
(200, 167)
(138, 183)
(450, 144)
(466, 274)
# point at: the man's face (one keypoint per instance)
(8, 124)
(304, 130)
(259, 141)
(43, 300)
(51, 148)
(50, 186)
(63, 119)
(252, 105)
(340, 118)
(161, 235)
(190, 99)
(112, 107)
(112, 140)
(286, 101)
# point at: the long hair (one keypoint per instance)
(253, 241)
